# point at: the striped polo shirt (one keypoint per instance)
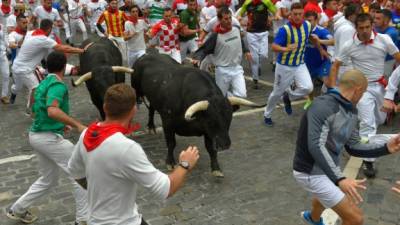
(114, 21)
(289, 34)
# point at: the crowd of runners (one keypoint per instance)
(349, 47)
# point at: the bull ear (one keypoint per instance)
(196, 107)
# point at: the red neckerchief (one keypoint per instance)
(370, 41)
(39, 32)
(97, 134)
(330, 13)
(95, 0)
(256, 2)
(295, 24)
(134, 20)
(48, 9)
(20, 31)
(228, 2)
(221, 30)
(111, 10)
(5, 9)
(16, 14)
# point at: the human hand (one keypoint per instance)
(396, 188)
(67, 129)
(324, 54)
(81, 128)
(388, 106)
(291, 47)
(393, 144)
(248, 57)
(190, 155)
(350, 186)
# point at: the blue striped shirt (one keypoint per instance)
(288, 34)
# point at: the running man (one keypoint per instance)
(329, 125)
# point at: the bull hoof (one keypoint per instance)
(217, 173)
(170, 167)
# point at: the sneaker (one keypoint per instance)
(306, 215)
(268, 122)
(26, 217)
(12, 98)
(288, 104)
(5, 100)
(255, 84)
(369, 169)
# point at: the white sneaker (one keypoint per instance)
(26, 217)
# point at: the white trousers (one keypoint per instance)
(24, 80)
(258, 46)
(284, 77)
(75, 24)
(133, 55)
(5, 74)
(369, 113)
(190, 45)
(173, 53)
(231, 81)
(53, 152)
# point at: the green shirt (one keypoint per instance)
(188, 18)
(49, 89)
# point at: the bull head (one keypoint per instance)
(88, 75)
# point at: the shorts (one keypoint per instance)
(321, 187)
(321, 71)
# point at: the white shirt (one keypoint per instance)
(370, 58)
(276, 24)
(75, 9)
(3, 16)
(42, 14)
(343, 31)
(206, 14)
(11, 21)
(96, 8)
(114, 170)
(15, 37)
(32, 51)
(393, 84)
(137, 41)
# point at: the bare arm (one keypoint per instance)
(278, 48)
(331, 82)
(68, 49)
(56, 113)
(187, 32)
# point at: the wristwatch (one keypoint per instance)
(185, 165)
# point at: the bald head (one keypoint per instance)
(351, 79)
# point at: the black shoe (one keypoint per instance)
(287, 103)
(255, 84)
(12, 98)
(369, 169)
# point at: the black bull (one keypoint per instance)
(189, 103)
(98, 62)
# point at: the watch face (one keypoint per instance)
(185, 164)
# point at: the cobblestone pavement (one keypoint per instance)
(258, 187)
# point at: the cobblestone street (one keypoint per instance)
(258, 187)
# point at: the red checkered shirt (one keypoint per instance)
(168, 34)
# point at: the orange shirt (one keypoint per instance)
(114, 21)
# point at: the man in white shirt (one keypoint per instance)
(19, 9)
(367, 51)
(112, 166)
(16, 37)
(4, 66)
(134, 35)
(95, 9)
(35, 47)
(46, 11)
(76, 9)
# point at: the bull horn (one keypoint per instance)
(121, 69)
(83, 78)
(198, 106)
(242, 101)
